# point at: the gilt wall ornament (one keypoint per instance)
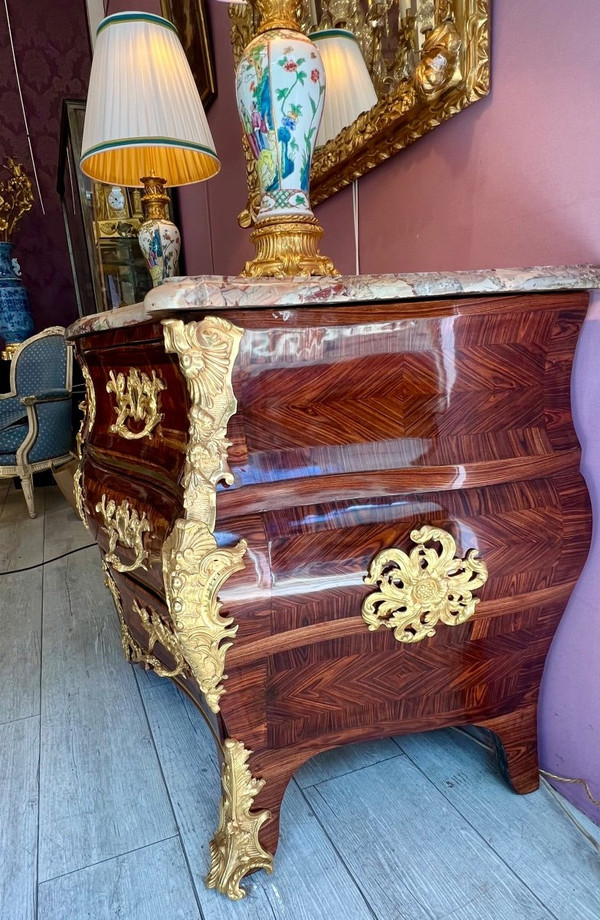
(428, 60)
(125, 528)
(136, 396)
(207, 351)
(194, 571)
(235, 848)
(417, 590)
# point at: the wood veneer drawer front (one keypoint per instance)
(325, 669)
(141, 407)
(455, 396)
(131, 520)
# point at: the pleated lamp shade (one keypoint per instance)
(349, 89)
(144, 115)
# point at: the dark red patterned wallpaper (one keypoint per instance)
(53, 59)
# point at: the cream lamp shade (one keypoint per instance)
(349, 89)
(143, 114)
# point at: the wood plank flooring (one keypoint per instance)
(109, 786)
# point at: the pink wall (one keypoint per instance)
(512, 181)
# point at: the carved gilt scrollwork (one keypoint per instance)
(417, 590)
(194, 570)
(136, 397)
(235, 848)
(126, 528)
(88, 410)
(157, 632)
(79, 495)
(436, 71)
(207, 351)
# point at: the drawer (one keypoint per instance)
(130, 520)
(141, 408)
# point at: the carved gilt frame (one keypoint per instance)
(419, 104)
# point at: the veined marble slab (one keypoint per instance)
(217, 292)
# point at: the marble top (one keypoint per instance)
(216, 292)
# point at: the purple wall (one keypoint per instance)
(53, 57)
(512, 181)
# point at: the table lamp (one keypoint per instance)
(280, 89)
(350, 90)
(145, 125)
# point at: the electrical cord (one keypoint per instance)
(553, 792)
(28, 568)
(581, 782)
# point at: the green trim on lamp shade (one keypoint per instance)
(135, 17)
(129, 142)
(329, 33)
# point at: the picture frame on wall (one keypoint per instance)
(190, 17)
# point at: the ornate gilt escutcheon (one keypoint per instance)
(88, 408)
(235, 849)
(157, 632)
(194, 570)
(417, 590)
(137, 399)
(124, 527)
(156, 629)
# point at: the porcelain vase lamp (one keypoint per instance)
(280, 89)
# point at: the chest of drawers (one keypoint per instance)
(331, 520)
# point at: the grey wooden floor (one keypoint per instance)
(109, 787)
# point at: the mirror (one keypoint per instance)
(428, 60)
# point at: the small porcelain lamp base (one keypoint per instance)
(159, 238)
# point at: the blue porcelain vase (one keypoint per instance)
(16, 323)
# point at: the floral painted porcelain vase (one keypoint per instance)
(280, 89)
(160, 243)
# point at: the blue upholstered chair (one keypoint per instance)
(35, 416)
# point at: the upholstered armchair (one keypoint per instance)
(35, 416)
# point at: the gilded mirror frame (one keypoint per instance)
(453, 72)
